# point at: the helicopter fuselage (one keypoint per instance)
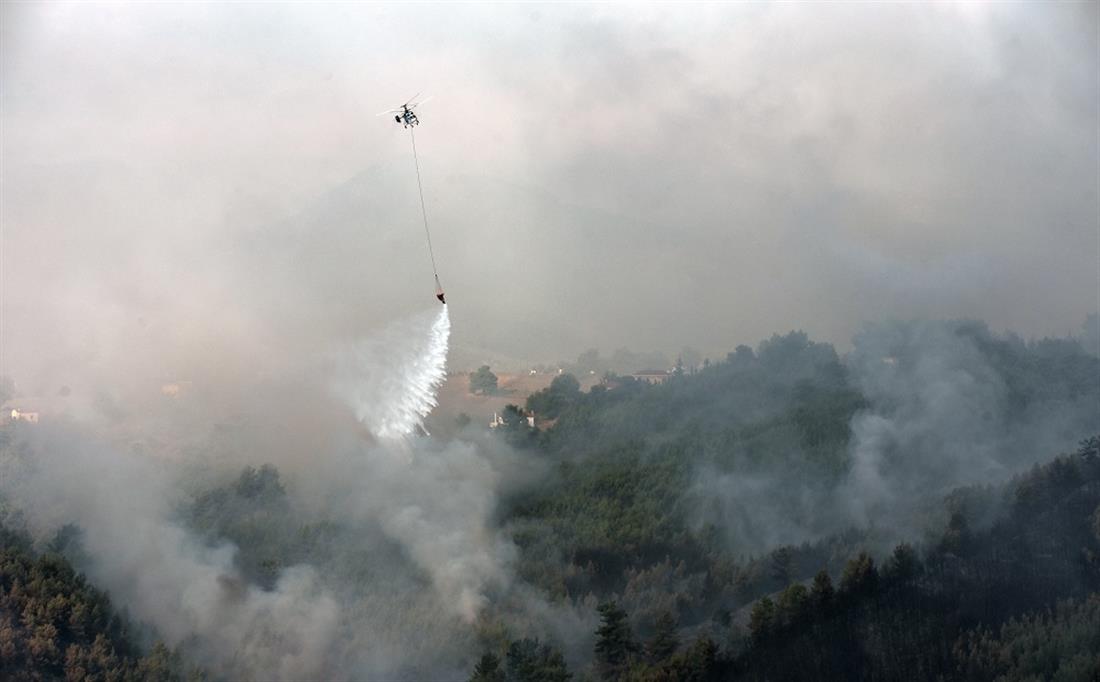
(407, 118)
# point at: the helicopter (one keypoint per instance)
(405, 114)
(407, 117)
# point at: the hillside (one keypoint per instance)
(55, 626)
(784, 513)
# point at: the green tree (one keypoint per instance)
(483, 381)
(549, 402)
(664, 641)
(1059, 645)
(793, 602)
(860, 575)
(260, 483)
(615, 645)
(513, 416)
(698, 662)
(903, 564)
(488, 669)
(43, 644)
(566, 386)
(160, 664)
(742, 356)
(957, 538)
(530, 661)
(1089, 449)
(702, 659)
(782, 565)
(761, 619)
(821, 593)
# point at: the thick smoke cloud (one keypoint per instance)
(180, 178)
(200, 196)
(940, 414)
(158, 570)
(423, 511)
(938, 419)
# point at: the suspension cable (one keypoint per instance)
(423, 210)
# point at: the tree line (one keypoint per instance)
(1019, 600)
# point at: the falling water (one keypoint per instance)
(436, 499)
(394, 375)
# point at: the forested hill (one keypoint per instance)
(1015, 598)
(55, 626)
(926, 506)
(790, 443)
(792, 393)
(684, 502)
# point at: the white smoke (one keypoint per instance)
(943, 410)
(157, 569)
(440, 506)
(939, 416)
(390, 380)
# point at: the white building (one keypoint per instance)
(18, 415)
(496, 421)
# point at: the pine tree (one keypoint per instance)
(903, 565)
(615, 645)
(664, 642)
(782, 566)
(529, 661)
(761, 619)
(702, 658)
(957, 538)
(821, 594)
(488, 669)
(860, 575)
(160, 664)
(792, 603)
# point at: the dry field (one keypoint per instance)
(455, 396)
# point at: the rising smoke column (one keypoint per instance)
(434, 499)
(438, 504)
(156, 568)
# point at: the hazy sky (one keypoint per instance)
(193, 187)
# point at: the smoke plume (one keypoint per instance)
(422, 511)
(948, 404)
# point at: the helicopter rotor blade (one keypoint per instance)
(411, 99)
(391, 111)
(413, 106)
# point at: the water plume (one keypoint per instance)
(393, 376)
(390, 385)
